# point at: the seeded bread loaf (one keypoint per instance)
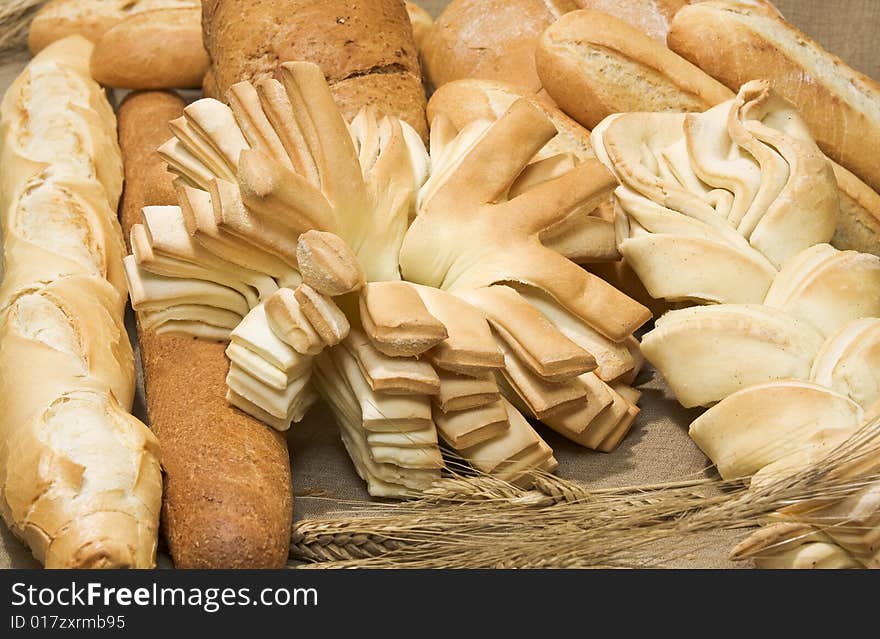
(365, 48)
(228, 498)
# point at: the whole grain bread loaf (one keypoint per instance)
(228, 497)
(365, 48)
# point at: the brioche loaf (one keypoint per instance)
(228, 497)
(80, 480)
(364, 47)
(593, 64)
(153, 50)
(735, 43)
(88, 18)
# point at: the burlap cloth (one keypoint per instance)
(658, 448)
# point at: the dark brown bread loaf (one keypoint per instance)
(365, 48)
(228, 497)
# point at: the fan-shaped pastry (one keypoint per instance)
(715, 203)
(761, 424)
(360, 278)
(709, 352)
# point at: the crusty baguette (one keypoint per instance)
(88, 18)
(593, 64)
(228, 500)
(490, 40)
(736, 43)
(80, 480)
(159, 49)
(364, 47)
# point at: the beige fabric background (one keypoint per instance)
(658, 449)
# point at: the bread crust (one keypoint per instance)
(365, 48)
(228, 497)
(651, 17)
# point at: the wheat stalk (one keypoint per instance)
(481, 522)
(15, 17)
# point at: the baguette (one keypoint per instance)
(80, 480)
(365, 49)
(735, 43)
(88, 18)
(228, 501)
(153, 50)
(593, 65)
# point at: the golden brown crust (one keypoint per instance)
(364, 46)
(58, 19)
(490, 40)
(153, 50)
(593, 64)
(228, 498)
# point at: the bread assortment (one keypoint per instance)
(496, 40)
(382, 338)
(79, 475)
(594, 65)
(228, 495)
(300, 234)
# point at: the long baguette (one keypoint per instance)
(735, 43)
(228, 496)
(80, 480)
